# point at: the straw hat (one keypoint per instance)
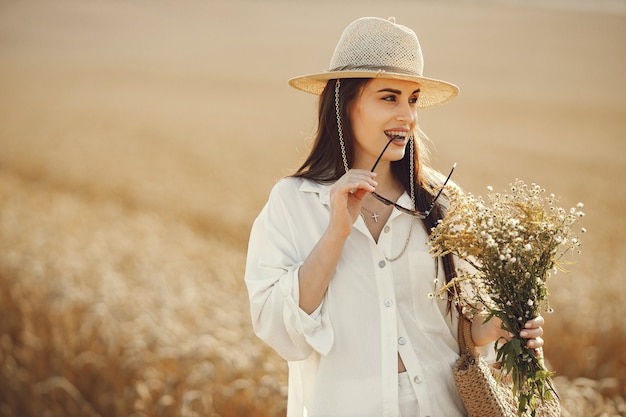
(371, 47)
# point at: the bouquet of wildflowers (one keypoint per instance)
(513, 243)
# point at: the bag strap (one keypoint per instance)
(464, 331)
(466, 343)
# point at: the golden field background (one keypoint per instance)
(138, 141)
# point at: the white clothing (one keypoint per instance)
(343, 358)
(407, 401)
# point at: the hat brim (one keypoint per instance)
(433, 92)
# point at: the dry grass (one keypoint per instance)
(136, 147)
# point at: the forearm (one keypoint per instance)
(346, 197)
(318, 269)
(486, 332)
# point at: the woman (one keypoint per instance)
(338, 271)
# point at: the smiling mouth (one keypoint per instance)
(395, 135)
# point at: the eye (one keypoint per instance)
(415, 97)
(390, 98)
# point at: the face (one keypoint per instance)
(385, 110)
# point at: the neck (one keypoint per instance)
(383, 168)
(388, 185)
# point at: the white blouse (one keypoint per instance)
(343, 357)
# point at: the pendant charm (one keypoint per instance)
(375, 217)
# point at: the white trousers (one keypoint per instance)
(406, 397)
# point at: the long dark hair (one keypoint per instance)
(324, 163)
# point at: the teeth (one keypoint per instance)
(393, 134)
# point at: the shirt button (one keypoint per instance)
(386, 229)
(382, 264)
(417, 379)
(401, 340)
(388, 303)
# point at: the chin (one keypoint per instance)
(396, 156)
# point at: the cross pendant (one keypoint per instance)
(375, 217)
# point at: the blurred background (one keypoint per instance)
(139, 140)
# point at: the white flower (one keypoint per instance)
(531, 302)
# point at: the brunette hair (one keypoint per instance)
(324, 163)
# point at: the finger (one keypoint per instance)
(359, 174)
(359, 185)
(531, 333)
(535, 343)
(356, 175)
(363, 172)
(534, 323)
(360, 193)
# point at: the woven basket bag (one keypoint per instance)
(481, 393)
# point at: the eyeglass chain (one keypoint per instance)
(411, 170)
(345, 164)
(339, 129)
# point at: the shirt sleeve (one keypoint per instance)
(273, 287)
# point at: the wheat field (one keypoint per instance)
(138, 141)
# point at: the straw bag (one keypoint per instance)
(481, 393)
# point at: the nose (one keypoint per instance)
(407, 113)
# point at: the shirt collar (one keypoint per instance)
(322, 190)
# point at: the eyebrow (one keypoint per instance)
(391, 90)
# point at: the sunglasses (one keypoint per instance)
(387, 202)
